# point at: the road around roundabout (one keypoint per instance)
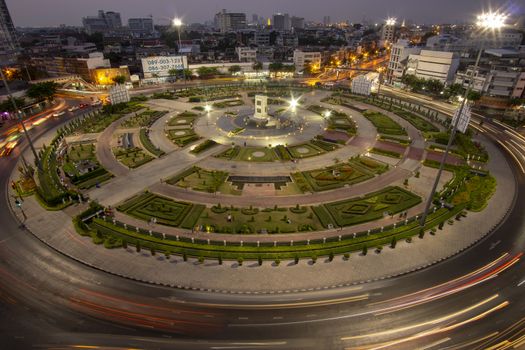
(61, 290)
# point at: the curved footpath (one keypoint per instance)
(55, 229)
(149, 175)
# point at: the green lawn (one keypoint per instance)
(184, 118)
(386, 153)
(132, 157)
(166, 211)
(182, 137)
(144, 119)
(372, 207)
(204, 146)
(228, 104)
(337, 120)
(330, 178)
(199, 179)
(384, 124)
(148, 145)
(340, 175)
(79, 153)
(250, 221)
(307, 150)
(250, 154)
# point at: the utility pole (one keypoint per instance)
(21, 115)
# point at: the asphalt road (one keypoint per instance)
(50, 301)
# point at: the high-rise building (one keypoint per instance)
(230, 21)
(9, 47)
(297, 22)
(388, 32)
(141, 25)
(104, 22)
(327, 21)
(399, 59)
(281, 22)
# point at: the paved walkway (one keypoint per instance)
(158, 136)
(55, 228)
(105, 154)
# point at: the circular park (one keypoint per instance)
(242, 173)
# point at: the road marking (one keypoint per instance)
(494, 244)
(521, 283)
(439, 342)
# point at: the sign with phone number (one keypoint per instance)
(161, 65)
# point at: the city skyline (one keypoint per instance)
(71, 12)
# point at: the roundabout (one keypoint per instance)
(264, 218)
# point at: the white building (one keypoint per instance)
(246, 54)
(437, 65)
(388, 32)
(399, 59)
(118, 94)
(230, 21)
(365, 84)
(302, 59)
(496, 40)
(498, 81)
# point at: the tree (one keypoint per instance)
(365, 250)
(234, 69)
(207, 72)
(453, 90)
(393, 243)
(173, 72)
(257, 66)
(119, 79)
(42, 91)
(7, 105)
(434, 86)
(275, 67)
(473, 96)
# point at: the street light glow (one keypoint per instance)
(391, 21)
(207, 108)
(328, 114)
(491, 20)
(294, 103)
(177, 22)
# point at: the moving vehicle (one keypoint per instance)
(74, 108)
(58, 114)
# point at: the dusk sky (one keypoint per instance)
(70, 12)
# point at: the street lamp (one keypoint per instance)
(207, 108)
(294, 103)
(486, 21)
(177, 23)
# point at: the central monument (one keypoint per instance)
(261, 117)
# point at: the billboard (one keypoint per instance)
(464, 120)
(161, 65)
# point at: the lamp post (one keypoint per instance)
(177, 23)
(486, 21)
(20, 115)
